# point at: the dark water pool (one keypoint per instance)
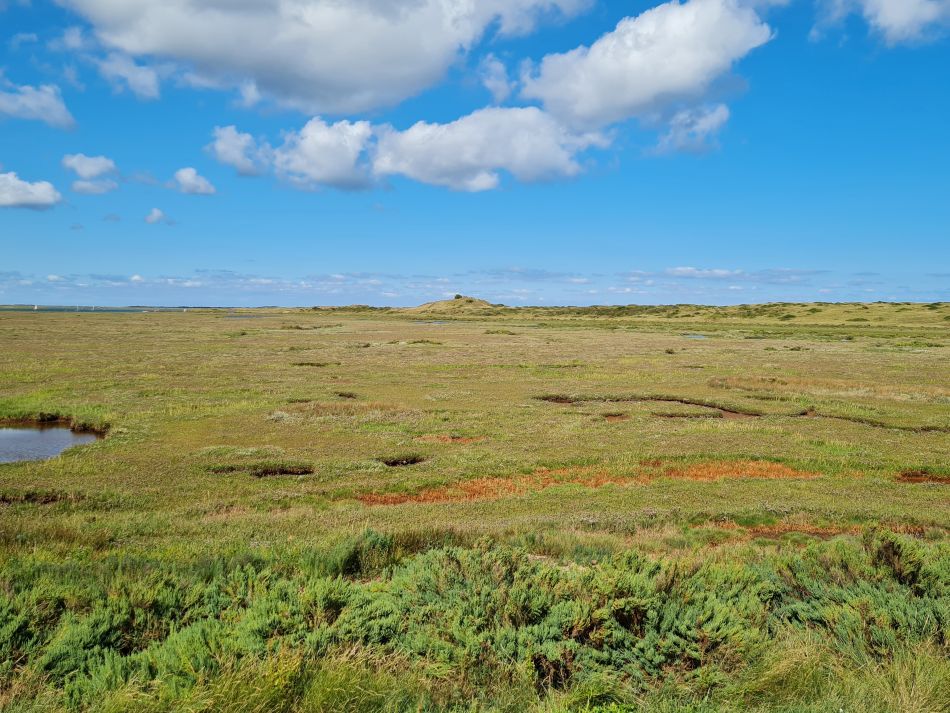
(32, 442)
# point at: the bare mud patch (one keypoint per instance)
(264, 469)
(39, 497)
(922, 476)
(402, 461)
(445, 438)
(722, 411)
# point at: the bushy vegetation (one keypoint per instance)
(487, 626)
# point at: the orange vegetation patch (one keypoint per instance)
(758, 469)
(922, 476)
(442, 438)
(495, 488)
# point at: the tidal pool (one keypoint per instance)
(19, 442)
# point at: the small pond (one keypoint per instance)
(20, 442)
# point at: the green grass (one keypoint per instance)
(228, 546)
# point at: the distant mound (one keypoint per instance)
(459, 304)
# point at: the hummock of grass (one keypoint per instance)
(377, 512)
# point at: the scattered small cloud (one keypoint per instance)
(187, 180)
(88, 167)
(157, 216)
(123, 73)
(95, 188)
(43, 103)
(73, 39)
(693, 130)
(238, 150)
(703, 274)
(91, 171)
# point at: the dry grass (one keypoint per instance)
(759, 470)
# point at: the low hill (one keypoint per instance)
(460, 304)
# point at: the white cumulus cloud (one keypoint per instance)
(17, 193)
(672, 52)
(44, 103)
(187, 180)
(238, 150)
(323, 56)
(468, 154)
(325, 154)
(89, 166)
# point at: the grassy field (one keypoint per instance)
(475, 508)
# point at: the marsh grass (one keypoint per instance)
(576, 553)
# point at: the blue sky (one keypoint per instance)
(303, 152)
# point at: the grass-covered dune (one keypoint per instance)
(475, 508)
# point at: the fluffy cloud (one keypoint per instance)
(325, 154)
(122, 71)
(89, 166)
(233, 148)
(897, 20)
(693, 130)
(90, 170)
(670, 53)
(16, 193)
(44, 103)
(469, 153)
(187, 180)
(323, 56)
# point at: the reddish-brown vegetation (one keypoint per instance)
(587, 476)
